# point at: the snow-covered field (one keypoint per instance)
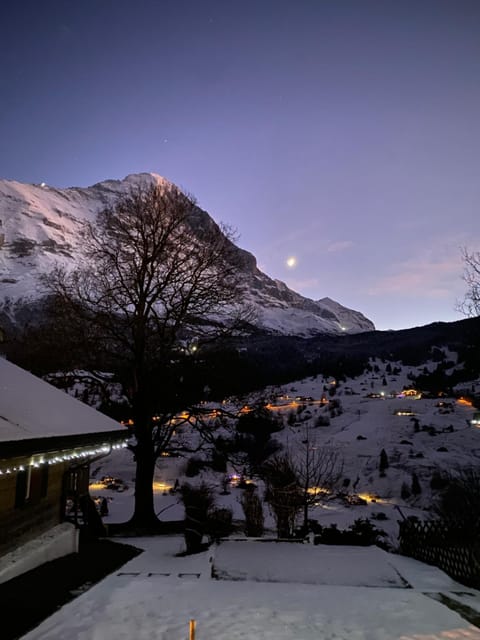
(154, 596)
(443, 441)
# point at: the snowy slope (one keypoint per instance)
(41, 225)
(445, 442)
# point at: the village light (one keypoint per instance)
(475, 421)
(161, 487)
(314, 491)
(368, 497)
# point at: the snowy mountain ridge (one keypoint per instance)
(40, 225)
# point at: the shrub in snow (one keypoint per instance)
(253, 511)
(322, 421)
(361, 533)
(416, 488)
(219, 524)
(328, 535)
(405, 492)
(383, 464)
(193, 467)
(460, 499)
(283, 493)
(438, 481)
(198, 501)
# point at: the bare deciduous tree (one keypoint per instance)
(299, 479)
(283, 493)
(156, 269)
(470, 305)
(253, 511)
(198, 501)
(318, 470)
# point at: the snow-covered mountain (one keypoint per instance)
(40, 225)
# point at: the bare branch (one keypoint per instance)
(470, 305)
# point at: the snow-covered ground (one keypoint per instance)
(244, 588)
(443, 442)
(352, 594)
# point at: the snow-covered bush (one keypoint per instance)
(198, 502)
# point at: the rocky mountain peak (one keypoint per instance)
(40, 226)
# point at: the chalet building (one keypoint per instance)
(47, 441)
(410, 393)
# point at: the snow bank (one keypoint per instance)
(156, 594)
(270, 561)
(54, 543)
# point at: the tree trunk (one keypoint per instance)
(144, 515)
(305, 511)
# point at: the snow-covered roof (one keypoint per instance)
(30, 408)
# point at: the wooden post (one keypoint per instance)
(192, 630)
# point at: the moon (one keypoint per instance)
(291, 262)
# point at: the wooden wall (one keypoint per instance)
(39, 511)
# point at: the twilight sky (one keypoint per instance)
(342, 133)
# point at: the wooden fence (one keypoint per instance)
(453, 547)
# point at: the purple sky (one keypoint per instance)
(344, 133)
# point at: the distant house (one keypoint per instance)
(47, 441)
(404, 412)
(475, 421)
(410, 393)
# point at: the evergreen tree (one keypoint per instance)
(405, 492)
(383, 461)
(416, 488)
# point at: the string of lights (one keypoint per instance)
(65, 455)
